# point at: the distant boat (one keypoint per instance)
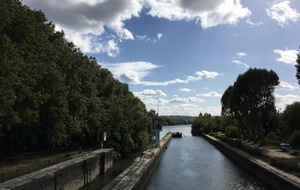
(177, 135)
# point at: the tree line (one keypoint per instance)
(249, 112)
(52, 95)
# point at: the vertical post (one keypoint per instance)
(157, 128)
(157, 138)
(101, 137)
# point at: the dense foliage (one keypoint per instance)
(250, 101)
(51, 95)
(203, 124)
(298, 67)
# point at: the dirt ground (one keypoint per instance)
(272, 152)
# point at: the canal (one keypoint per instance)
(189, 163)
(192, 163)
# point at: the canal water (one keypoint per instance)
(192, 163)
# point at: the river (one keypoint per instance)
(193, 163)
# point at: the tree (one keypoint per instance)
(250, 101)
(290, 119)
(203, 124)
(298, 67)
(51, 95)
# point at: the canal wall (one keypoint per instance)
(273, 176)
(138, 173)
(69, 175)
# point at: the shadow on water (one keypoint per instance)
(118, 166)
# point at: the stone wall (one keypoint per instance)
(69, 175)
(273, 176)
(138, 173)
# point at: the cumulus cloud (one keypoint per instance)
(131, 72)
(210, 94)
(283, 13)
(185, 89)
(98, 26)
(186, 100)
(151, 93)
(198, 76)
(283, 100)
(285, 86)
(134, 72)
(208, 13)
(286, 56)
(85, 21)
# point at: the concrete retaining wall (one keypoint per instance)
(276, 178)
(137, 174)
(71, 174)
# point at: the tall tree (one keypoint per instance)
(251, 100)
(298, 67)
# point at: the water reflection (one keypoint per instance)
(193, 163)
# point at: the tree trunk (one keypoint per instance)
(261, 135)
(11, 142)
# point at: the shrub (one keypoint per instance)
(287, 164)
(232, 131)
(295, 139)
(254, 151)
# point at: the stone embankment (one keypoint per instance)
(137, 174)
(71, 174)
(273, 176)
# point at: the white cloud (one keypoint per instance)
(198, 76)
(85, 21)
(207, 74)
(285, 86)
(208, 13)
(287, 56)
(240, 54)
(186, 100)
(185, 89)
(283, 13)
(254, 24)
(149, 39)
(98, 26)
(178, 106)
(283, 100)
(134, 72)
(131, 72)
(210, 94)
(151, 93)
(241, 63)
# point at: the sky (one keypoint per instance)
(179, 56)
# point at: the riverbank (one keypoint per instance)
(275, 177)
(137, 174)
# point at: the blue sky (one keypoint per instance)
(179, 56)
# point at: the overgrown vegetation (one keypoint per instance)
(52, 96)
(286, 164)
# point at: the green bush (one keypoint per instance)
(287, 164)
(254, 151)
(295, 139)
(232, 131)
